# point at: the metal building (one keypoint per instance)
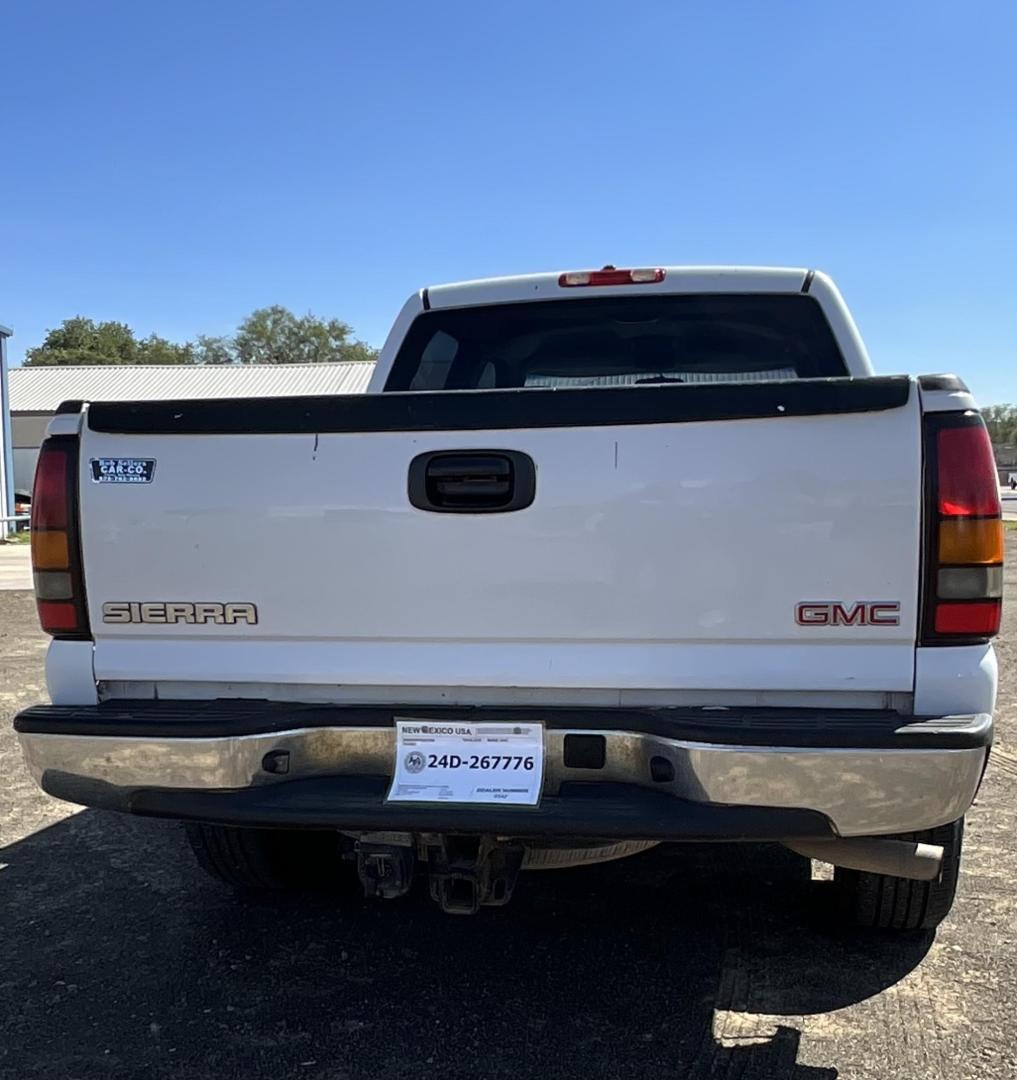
(36, 393)
(6, 455)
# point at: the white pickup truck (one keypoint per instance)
(603, 559)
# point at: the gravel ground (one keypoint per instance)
(120, 959)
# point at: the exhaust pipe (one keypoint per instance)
(897, 858)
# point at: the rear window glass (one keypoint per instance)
(618, 341)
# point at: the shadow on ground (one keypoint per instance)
(121, 960)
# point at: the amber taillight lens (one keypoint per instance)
(56, 550)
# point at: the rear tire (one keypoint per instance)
(882, 902)
(269, 859)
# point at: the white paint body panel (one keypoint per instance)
(654, 557)
(70, 678)
(960, 679)
(658, 564)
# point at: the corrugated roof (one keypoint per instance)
(41, 389)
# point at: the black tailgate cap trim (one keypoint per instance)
(478, 410)
(953, 383)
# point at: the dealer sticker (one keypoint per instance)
(440, 761)
(122, 470)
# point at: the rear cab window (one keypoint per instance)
(618, 341)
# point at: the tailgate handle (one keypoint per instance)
(472, 481)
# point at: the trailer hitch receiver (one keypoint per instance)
(470, 872)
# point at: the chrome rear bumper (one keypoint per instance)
(902, 784)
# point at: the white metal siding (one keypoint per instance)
(42, 389)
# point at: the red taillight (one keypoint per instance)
(610, 276)
(57, 616)
(963, 551)
(49, 493)
(966, 470)
(56, 555)
(980, 618)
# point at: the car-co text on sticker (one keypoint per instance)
(122, 470)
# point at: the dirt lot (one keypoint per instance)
(119, 959)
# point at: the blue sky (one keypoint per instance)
(175, 165)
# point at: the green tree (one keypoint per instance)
(83, 341)
(274, 335)
(214, 350)
(1001, 420)
(157, 350)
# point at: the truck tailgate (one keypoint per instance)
(660, 551)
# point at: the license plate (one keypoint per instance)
(449, 762)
